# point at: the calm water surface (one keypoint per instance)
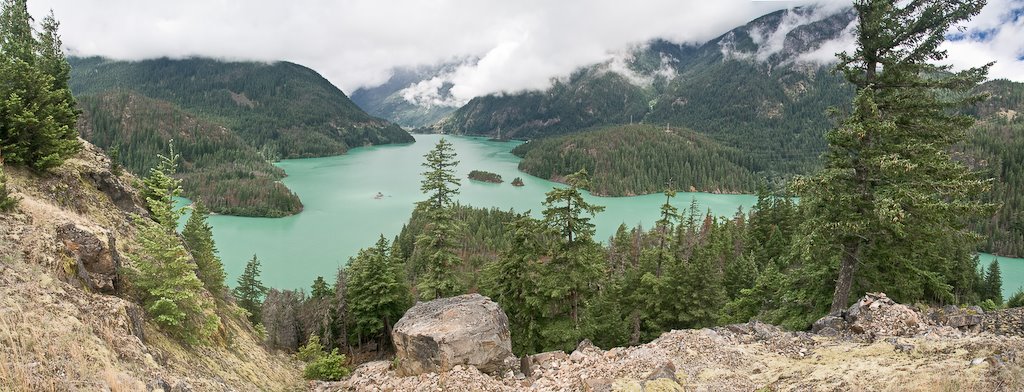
(343, 215)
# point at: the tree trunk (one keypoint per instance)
(634, 338)
(844, 284)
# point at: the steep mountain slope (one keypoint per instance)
(758, 88)
(996, 145)
(639, 159)
(217, 165)
(228, 120)
(66, 321)
(282, 109)
(412, 97)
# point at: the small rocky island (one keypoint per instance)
(518, 181)
(485, 176)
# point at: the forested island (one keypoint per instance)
(629, 160)
(485, 176)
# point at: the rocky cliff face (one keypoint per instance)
(65, 324)
(878, 345)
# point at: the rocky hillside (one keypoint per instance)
(877, 345)
(65, 321)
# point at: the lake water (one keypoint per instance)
(342, 214)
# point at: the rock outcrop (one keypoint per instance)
(94, 262)
(468, 330)
(875, 314)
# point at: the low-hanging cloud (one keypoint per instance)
(518, 45)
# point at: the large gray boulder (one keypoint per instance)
(469, 330)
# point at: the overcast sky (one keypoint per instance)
(520, 44)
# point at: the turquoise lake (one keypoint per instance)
(342, 213)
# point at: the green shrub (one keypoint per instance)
(312, 351)
(1016, 300)
(330, 367)
(989, 305)
(7, 202)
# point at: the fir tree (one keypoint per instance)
(435, 248)
(318, 312)
(511, 282)
(375, 297)
(160, 188)
(439, 181)
(994, 283)
(565, 208)
(166, 283)
(198, 236)
(250, 290)
(567, 278)
(320, 288)
(37, 115)
(891, 204)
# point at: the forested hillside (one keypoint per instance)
(753, 88)
(285, 110)
(229, 121)
(640, 159)
(997, 145)
(217, 165)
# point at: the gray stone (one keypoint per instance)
(598, 384)
(666, 370)
(833, 322)
(96, 260)
(467, 330)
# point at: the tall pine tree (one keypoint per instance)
(250, 290)
(891, 205)
(575, 264)
(198, 237)
(375, 296)
(37, 111)
(435, 254)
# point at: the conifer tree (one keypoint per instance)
(511, 282)
(37, 111)
(439, 181)
(994, 283)
(166, 283)
(375, 298)
(250, 290)
(568, 277)
(318, 312)
(160, 188)
(565, 208)
(435, 248)
(890, 206)
(198, 236)
(164, 275)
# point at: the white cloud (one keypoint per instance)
(1003, 44)
(826, 52)
(355, 43)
